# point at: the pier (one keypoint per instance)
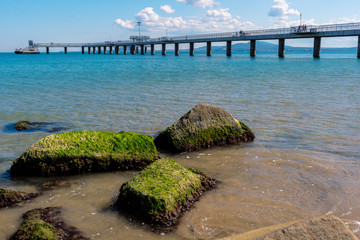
(317, 32)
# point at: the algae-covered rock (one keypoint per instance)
(10, 198)
(328, 227)
(46, 224)
(203, 126)
(161, 191)
(85, 151)
(22, 125)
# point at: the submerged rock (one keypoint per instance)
(85, 151)
(10, 198)
(162, 191)
(203, 126)
(328, 227)
(46, 224)
(24, 125)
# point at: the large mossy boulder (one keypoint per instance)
(22, 125)
(46, 224)
(203, 126)
(327, 227)
(86, 151)
(10, 198)
(162, 191)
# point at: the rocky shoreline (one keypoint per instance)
(162, 190)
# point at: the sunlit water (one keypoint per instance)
(304, 162)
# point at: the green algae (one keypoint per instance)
(203, 126)
(86, 151)
(46, 224)
(34, 227)
(159, 192)
(9, 198)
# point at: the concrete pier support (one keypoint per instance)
(176, 49)
(137, 49)
(358, 55)
(208, 49)
(47, 50)
(152, 49)
(104, 50)
(65, 50)
(317, 46)
(99, 50)
(110, 50)
(281, 47)
(89, 50)
(132, 49)
(117, 50)
(94, 50)
(142, 50)
(82, 50)
(252, 48)
(228, 48)
(163, 52)
(125, 50)
(145, 50)
(191, 49)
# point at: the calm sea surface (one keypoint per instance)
(305, 113)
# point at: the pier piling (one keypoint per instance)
(110, 50)
(82, 50)
(65, 50)
(89, 50)
(163, 49)
(176, 49)
(208, 49)
(125, 50)
(117, 50)
(132, 49)
(99, 50)
(94, 50)
(228, 48)
(317, 45)
(142, 49)
(358, 55)
(252, 48)
(191, 49)
(47, 50)
(281, 47)
(145, 50)
(137, 49)
(152, 49)
(104, 50)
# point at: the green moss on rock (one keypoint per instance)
(86, 151)
(45, 224)
(22, 125)
(161, 191)
(203, 126)
(10, 198)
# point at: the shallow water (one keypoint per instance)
(304, 162)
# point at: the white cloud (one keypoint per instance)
(167, 9)
(125, 24)
(200, 3)
(281, 10)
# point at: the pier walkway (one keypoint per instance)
(317, 32)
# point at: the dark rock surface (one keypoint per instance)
(10, 198)
(46, 224)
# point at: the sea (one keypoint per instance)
(304, 112)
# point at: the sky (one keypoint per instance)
(96, 21)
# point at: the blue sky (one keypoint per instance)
(94, 20)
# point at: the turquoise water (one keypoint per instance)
(295, 106)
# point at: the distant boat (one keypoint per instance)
(27, 50)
